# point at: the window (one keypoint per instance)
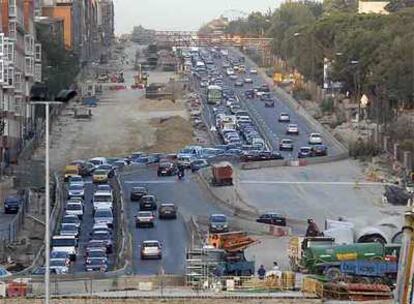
(38, 52)
(1, 44)
(29, 66)
(18, 82)
(12, 8)
(10, 77)
(18, 105)
(9, 50)
(29, 45)
(12, 29)
(37, 72)
(1, 71)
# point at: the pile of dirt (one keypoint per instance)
(172, 134)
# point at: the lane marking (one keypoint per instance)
(311, 183)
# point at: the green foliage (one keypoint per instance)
(327, 105)
(362, 149)
(301, 94)
(342, 6)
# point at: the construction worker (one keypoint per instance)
(261, 272)
(313, 229)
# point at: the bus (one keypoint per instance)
(214, 94)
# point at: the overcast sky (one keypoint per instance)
(179, 14)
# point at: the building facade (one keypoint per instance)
(20, 63)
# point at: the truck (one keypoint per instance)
(222, 174)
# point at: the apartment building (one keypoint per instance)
(20, 68)
(105, 21)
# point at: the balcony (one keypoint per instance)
(9, 51)
(12, 9)
(12, 30)
(8, 77)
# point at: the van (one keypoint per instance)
(66, 244)
(71, 170)
(102, 199)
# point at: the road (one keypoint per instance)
(190, 200)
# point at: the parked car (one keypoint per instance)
(292, 129)
(218, 223)
(12, 204)
(60, 255)
(319, 150)
(151, 249)
(315, 139)
(67, 244)
(148, 203)
(272, 218)
(96, 253)
(286, 144)
(284, 117)
(305, 152)
(144, 219)
(137, 193)
(167, 211)
(166, 169)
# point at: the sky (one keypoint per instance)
(179, 14)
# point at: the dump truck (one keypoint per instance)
(222, 174)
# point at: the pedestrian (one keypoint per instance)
(313, 229)
(261, 272)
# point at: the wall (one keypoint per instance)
(64, 12)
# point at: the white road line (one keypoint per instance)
(353, 183)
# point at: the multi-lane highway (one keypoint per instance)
(190, 200)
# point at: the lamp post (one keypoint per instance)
(47, 194)
(356, 86)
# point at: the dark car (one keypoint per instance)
(148, 203)
(270, 155)
(97, 264)
(270, 104)
(12, 204)
(137, 193)
(265, 88)
(167, 169)
(305, 152)
(265, 97)
(249, 94)
(167, 211)
(218, 223)
(198, 164)
(320, 150)
(85, 168)
(272, 218)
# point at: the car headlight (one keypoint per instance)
(225, 226)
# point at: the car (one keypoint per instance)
(253, 71)
(98, 252)
(59, 266)
(292, 129)
(238, 83)
(249, 94)
(284, 117)
(105, 237)
(97, 264)
(67, 244)
(198, 164)
(74, 208)
(97, 161)
(185, 160)
(137, 193)
(102, 199)
(70, 170)
(85, 168)
(319, 150)
(315, 139)
(151, 249)
(148, 203)
(286, 144)
(305, 152)
(265, 96)
(104, 216)
(144, 219)
(218, 223)
(166, 169)
(269, 104)
(272, 218)
(60, 255)
(69, 229)
(233, 77)
(104, 188)
(71, 219)
(12, 204)
(167, 211)
(100, 176)
(265, 88)
(248, 80)
(94, 245)
(119, 164)
(100, 227)
(76, 180)
(76, 190)
(40, 271)
(107, 167)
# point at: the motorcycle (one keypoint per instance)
(180, 175)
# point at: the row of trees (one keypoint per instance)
(371, 53)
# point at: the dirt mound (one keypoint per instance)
(171, 134)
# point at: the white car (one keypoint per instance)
(102, 199)
(151, 250)
(74, 208)
(76, 180)
(284, 117)
(253, 71)
(248, 80)
(104, 216)
(58, 266)
(292, 129)
(76, 190)
(315, 139)
(67, 244)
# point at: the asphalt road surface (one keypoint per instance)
(190, 200)
(267, 117)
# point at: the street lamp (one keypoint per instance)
(47, 193)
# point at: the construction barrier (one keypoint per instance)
(312, 286)
(15, 289)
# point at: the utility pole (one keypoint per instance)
(404, 290)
